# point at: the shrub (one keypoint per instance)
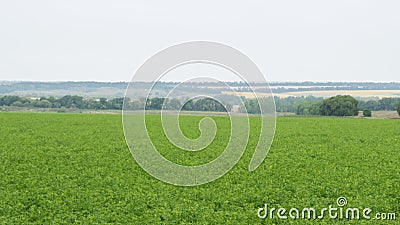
(367, 113)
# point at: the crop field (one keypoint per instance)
(77, 168)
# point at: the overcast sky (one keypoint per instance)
(289, 40)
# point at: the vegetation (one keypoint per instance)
(308, 108)
(341, 105)
(310, 105)
(299, 105)
(78, 102)
(202, 104)
(384, 104)
(367, 113)
(398, 109)
(76, 168)
(251, 106)
(291, 104)
(68, 101)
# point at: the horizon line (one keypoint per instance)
(276, 81)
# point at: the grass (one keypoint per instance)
(76, 168)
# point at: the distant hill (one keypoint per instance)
(117, 89)
(58, 89)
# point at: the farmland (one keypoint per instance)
(76, 168)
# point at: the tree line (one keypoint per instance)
(200, 104)
(319, 106)
(68, 101)
(341, 105)
(78, 102)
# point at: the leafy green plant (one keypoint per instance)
(76, 168)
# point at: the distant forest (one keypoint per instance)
(117, 89)
(309, 105)
(79, 102)
(68, 101)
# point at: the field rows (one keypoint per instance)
(76, 168)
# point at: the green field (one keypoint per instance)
(77, 168)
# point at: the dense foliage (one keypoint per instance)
(300, 105)
(68, 101)
(398, 109)
(202, 104)
(386, 104)
(313, 106)
(78, 102)
(291, 104)
(77, 169)
(341, 105)
(367, 113)
(308, 108)
(310, 105)
(251, 106)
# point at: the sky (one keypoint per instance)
(289, 40)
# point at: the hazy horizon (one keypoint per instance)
(276, 81)
(289, 41)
